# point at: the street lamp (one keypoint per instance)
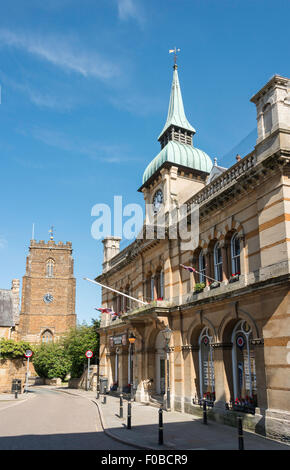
(167, 335)
(132, 340)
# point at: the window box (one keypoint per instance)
(114, 387)
(199, 287)
(243, 405)
(234, 278)
(214, 285)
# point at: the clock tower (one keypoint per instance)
(180, 169)
(48, 292)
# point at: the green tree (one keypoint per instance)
(50, 360)
(77, 342)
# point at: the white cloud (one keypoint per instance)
(62, 52)
(3, 243)
(92, 149)
(128, 9)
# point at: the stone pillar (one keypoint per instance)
(188, 377)
(244, 266)
(222, 368)
(225, 261)
(207, 266)
(258, 345)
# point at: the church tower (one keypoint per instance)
(48, 292)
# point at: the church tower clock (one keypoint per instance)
(48, 292)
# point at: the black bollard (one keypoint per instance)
(121, 405)
(240, 433)
(105, 395)
(129, 415)
(16, 394)
(204, 412)
(160, 439)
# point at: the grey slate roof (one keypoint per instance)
(6, 308)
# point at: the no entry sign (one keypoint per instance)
(89, 354)
(28, 353)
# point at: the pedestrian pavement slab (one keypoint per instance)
(181, 431)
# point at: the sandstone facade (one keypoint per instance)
(230, 340)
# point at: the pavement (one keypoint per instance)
(181, 431)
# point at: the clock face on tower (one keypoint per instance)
(157, 200)
(48, 298)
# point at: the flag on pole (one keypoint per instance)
(188, 268)
(108, 310)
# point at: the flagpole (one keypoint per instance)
(114, 290)
(204, 275)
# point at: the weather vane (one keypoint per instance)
(51, 232)
(175, 51)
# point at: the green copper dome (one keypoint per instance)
(179, 154)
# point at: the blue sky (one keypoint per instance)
(84, 95)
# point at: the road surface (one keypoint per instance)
(53, 420)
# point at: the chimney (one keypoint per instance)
(111, 249)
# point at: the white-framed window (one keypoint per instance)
(235, 254)
(218, 262)
(201, 265)
(49, 268)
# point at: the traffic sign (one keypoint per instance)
(28, 353)
(89, 354)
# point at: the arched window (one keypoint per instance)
(244, 366)
(218, 262)
(47, 337)
(206, 365)
(235, 254)
(201, 266)
(49, 268)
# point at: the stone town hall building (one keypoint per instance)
(230, 339)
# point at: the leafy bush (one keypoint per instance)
(13, 349)
(199, 286)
